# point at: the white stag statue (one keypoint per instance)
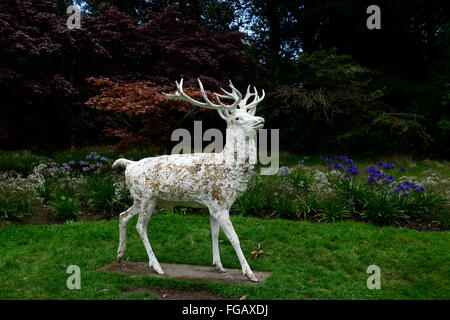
(197, 180)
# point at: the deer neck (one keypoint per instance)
(240, 149)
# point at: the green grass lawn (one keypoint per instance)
(308, 261)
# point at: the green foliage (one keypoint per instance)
(65, 204)
(21, 162)
(15, 206)
(283, 206)
(103, 194)
(62, 197)
(301, 180)
(252, 202)
(333, 210)
(428, 206)
(338, 105)
(306, 206)
(354, 193)
(382, 210)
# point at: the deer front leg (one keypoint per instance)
(223, 218)
(124, 218)
(145, 213)
(215, 244)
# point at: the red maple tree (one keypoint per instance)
(139, 114)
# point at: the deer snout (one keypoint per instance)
(259, 123)
(259, 120)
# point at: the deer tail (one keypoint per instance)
(121, 163)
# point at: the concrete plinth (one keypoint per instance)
(185, 272)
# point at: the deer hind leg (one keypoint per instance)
(223, 218)
(215, 244)
(124, 218)
(146, 211)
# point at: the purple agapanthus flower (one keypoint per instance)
(337, 166)
(405, 186)
(389, 180)
(374, 174)
(402, 169)
(419, 189)
(388, 166)
(352, 171)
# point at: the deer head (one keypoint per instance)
(238, 115)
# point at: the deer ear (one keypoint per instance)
(252, 111)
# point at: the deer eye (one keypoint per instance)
(236, 119)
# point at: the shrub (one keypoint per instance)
(301, 180)
(14, 207)
(66, 205)
(21, 162)
(333, 210)
(354, 193)
(284, 207)
(105, 195)
(304, 206)
(18, 196)
(253, 200)
(382, 210)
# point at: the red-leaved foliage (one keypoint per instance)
(44, 65)
(169, 46)
(139, 113)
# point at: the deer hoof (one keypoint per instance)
(251, 277)
(157, 269)
(220, 269)
(119, 259)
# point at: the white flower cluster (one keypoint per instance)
(121, 191)
(18, 187)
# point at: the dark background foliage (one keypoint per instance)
(332, 84)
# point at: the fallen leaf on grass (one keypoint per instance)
(255, 254)
(244, 297)
(103, 290)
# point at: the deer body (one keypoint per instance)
(211, 180)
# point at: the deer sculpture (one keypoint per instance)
(199, 180)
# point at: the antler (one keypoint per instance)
(257, 99)
(224, 109)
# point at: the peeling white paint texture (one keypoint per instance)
(211, 180)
